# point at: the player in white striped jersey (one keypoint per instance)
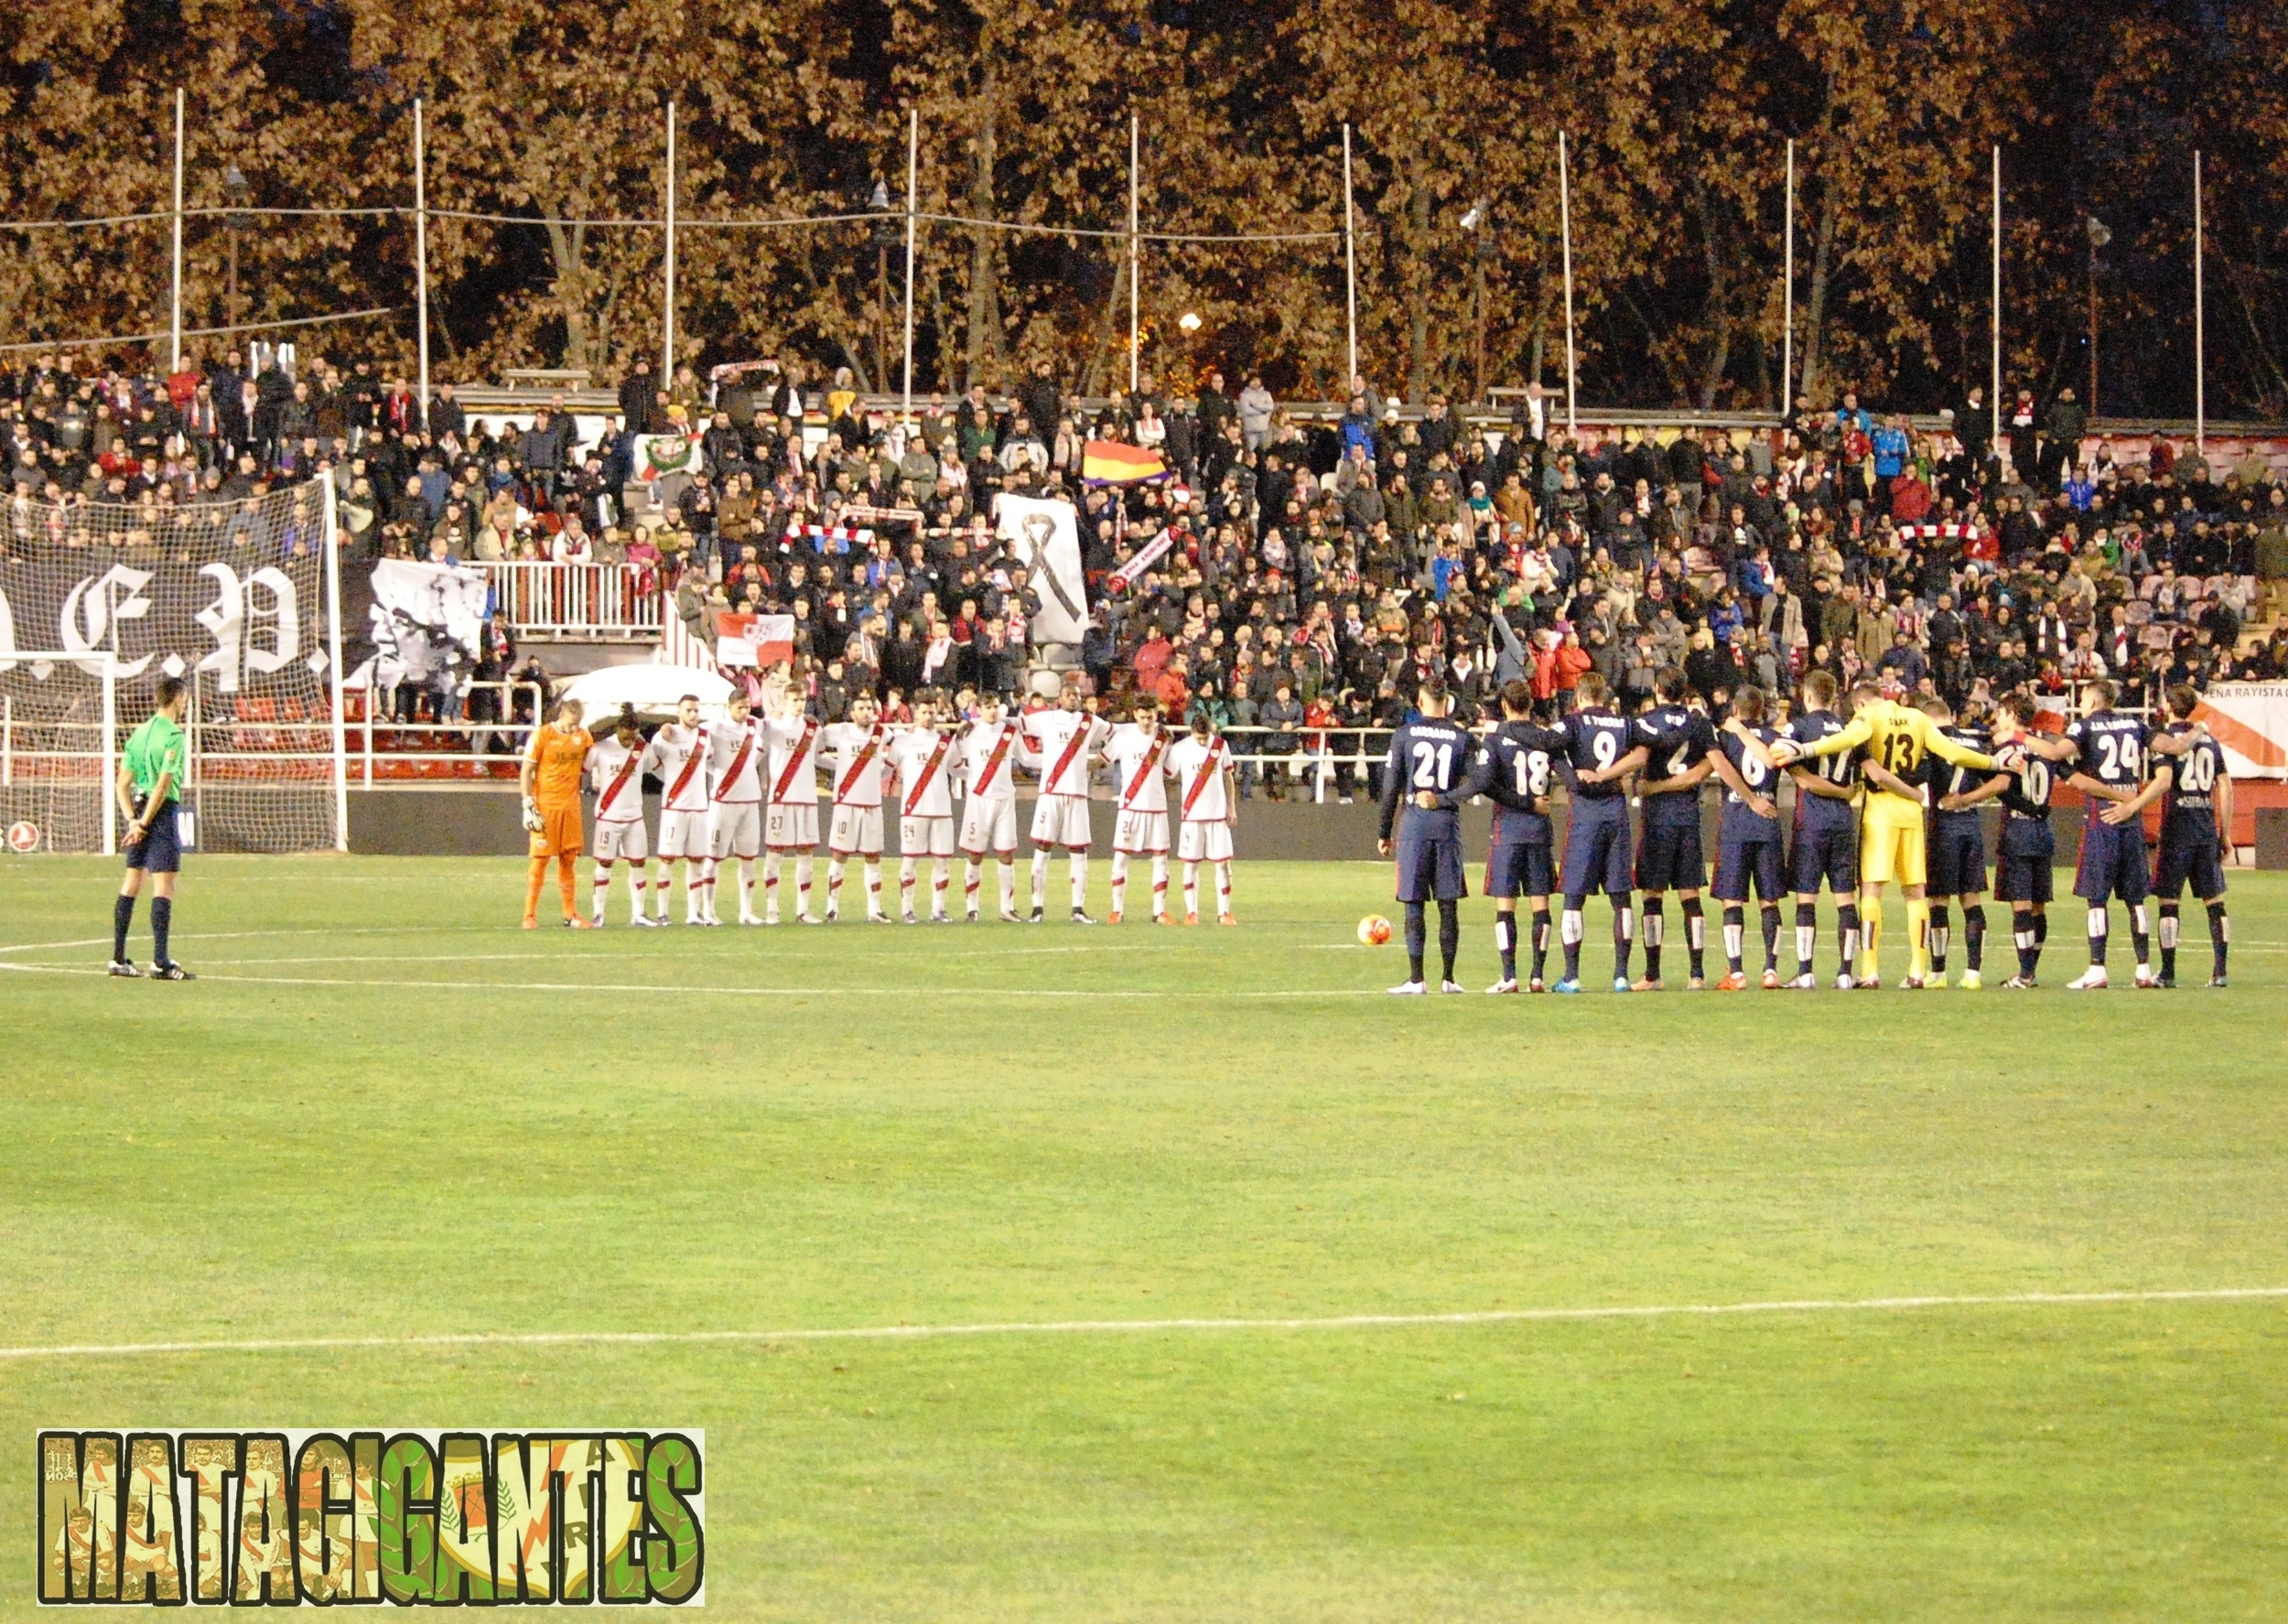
(616, 766)
(680, 748)
(1208, 784)
(987, 748)
(859, 751)
(1137, 756)
(923, 760)
(1061, 743)
(793, 820)
(736, 748)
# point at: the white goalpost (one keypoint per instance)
(239, 600)
(58, 751)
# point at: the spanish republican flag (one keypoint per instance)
(1108, 462)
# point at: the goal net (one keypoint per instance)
(237, 599)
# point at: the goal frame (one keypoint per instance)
(108, 674)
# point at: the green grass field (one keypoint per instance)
(384, 1113)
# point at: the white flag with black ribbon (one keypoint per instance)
(1045, 537)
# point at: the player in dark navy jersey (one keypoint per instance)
(1826, 834)
(1514, 768)
(2195, 833)
(2109, 762)
(1955, 842)
(2027, 851)
(1429, 769)
(1748, 847)
(1598, 754)
(1678, 742)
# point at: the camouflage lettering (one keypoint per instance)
(466, 1517)
(619, 1535)
(405, 1517)
(674, 1558)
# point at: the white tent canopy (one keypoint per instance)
(651, 689)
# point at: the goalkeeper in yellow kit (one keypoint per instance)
(1895, 737)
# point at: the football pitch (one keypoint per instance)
(1179, 1274)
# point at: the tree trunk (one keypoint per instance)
(1719, 299)
(985, 304)
(1816, 305)
(1417, 329)
(564, 251)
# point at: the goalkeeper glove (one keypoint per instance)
(532, 816)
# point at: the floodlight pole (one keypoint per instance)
(1135, 324)
(1787, 298)
(421, 251)
(913, 166)
(174, 303)
(2200, 324)
(667, 323)
(1350, 265)
(1995, 318)
(1565, 222)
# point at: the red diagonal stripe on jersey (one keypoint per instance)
(1072, 749)
(802, 753)
(619, 782)
(1210, 765)
(1144, 771)
(691, 763)
(738, 762)
(866, 753)
(993, 761)
(929, 770)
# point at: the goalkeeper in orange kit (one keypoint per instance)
(550, 779)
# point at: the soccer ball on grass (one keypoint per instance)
(1373, 931)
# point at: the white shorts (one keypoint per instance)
(616, 841)
(988, 823)
(792, 826)
(734, 829)
(682, 834)
(1204, 843)
(1061, 820)
(925, 838)
(855, 829)
(1141, 833)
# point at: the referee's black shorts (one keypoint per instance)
(161, 850)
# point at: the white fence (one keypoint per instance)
(548, 602)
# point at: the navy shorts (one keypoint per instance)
(2022, 874)
(1827, 852)
(161, 850)
(1597, 854)
(1429, 869)
(1670, 860)
(2112, 864)
(2195, 862)
(1957, 853)
(1518, 868)
(1740, 861)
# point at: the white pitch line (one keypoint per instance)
(1215, 994)
(2031, 1299)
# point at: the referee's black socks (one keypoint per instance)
(162, 916)
(123, 916)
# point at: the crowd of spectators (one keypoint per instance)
(1308, 573)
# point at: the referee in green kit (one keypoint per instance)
(149, 789)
